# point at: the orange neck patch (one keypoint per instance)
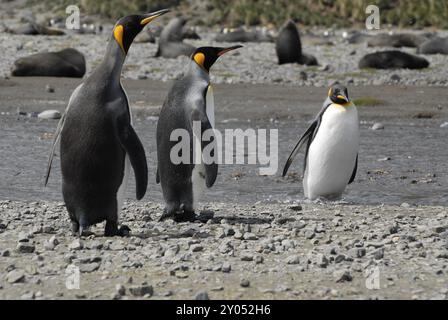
(118, 35)
(199, 58)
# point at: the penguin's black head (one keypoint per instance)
(338, 94)
(207, 56)
(129, 27)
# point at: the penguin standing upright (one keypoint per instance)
(189, 100)
(332, 144)
(98, 142)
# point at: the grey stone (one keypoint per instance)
(250, 236)
(196, 247)
(377, 126)
(76, 244)
(294, 259)
(226, 267)
(245, 283)
(141, 290)
(342, 276)
(202, 295)
(49, 114)
(120, 289)
(15, 276)
(25, 248)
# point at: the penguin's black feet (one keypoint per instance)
(124, 231)
(75, 228)
(179, 216)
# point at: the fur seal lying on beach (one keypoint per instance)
(396, 40)
(435, 45)
(32, 28)
(170, 42)
(66, 63)
(289, 47)
(392, 59)
(241, 35)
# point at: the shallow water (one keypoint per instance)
(416, 172)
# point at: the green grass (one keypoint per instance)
(368, 101)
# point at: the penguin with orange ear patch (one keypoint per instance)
(189, 102)
(98, 142)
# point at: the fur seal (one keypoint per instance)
(66, 63)
(392, 59)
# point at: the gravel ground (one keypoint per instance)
(260, 251)
(255, 63)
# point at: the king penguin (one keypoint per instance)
(332, 144)
(97, 141)
(189, 101)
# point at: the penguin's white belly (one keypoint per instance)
(332, 154)
(198, 175)
(121, 194)
(197, 183)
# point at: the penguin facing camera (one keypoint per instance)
(331, 147)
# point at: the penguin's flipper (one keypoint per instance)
(157, 176)
(354, 171)
(211, 169)
(56, 138)
(134, 148)
(309, 133)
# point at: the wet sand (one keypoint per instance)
(416, 172)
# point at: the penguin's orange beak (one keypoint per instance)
(220, 53)
(342, 97)
(147, 18)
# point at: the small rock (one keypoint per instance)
(238, 235)
(49, 88)
(259, 259)
(49, 114)
(202, 295)
(23, 237)
(377, 126)
(226, 267)
(25, 248)
(303, 76)
(295, 207)
(76, 244)
(244, 283)
(117, 246)
(357, 252)
(395, 77)
(250, 236)
(28, 295)
(120, 289)
(196, 248)
(15, 276)
(142, 290)
(342, 276)
(378, 254)
(444, 125)
(51, 243)
(247, 257)
(89, 267)
(294, 259)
